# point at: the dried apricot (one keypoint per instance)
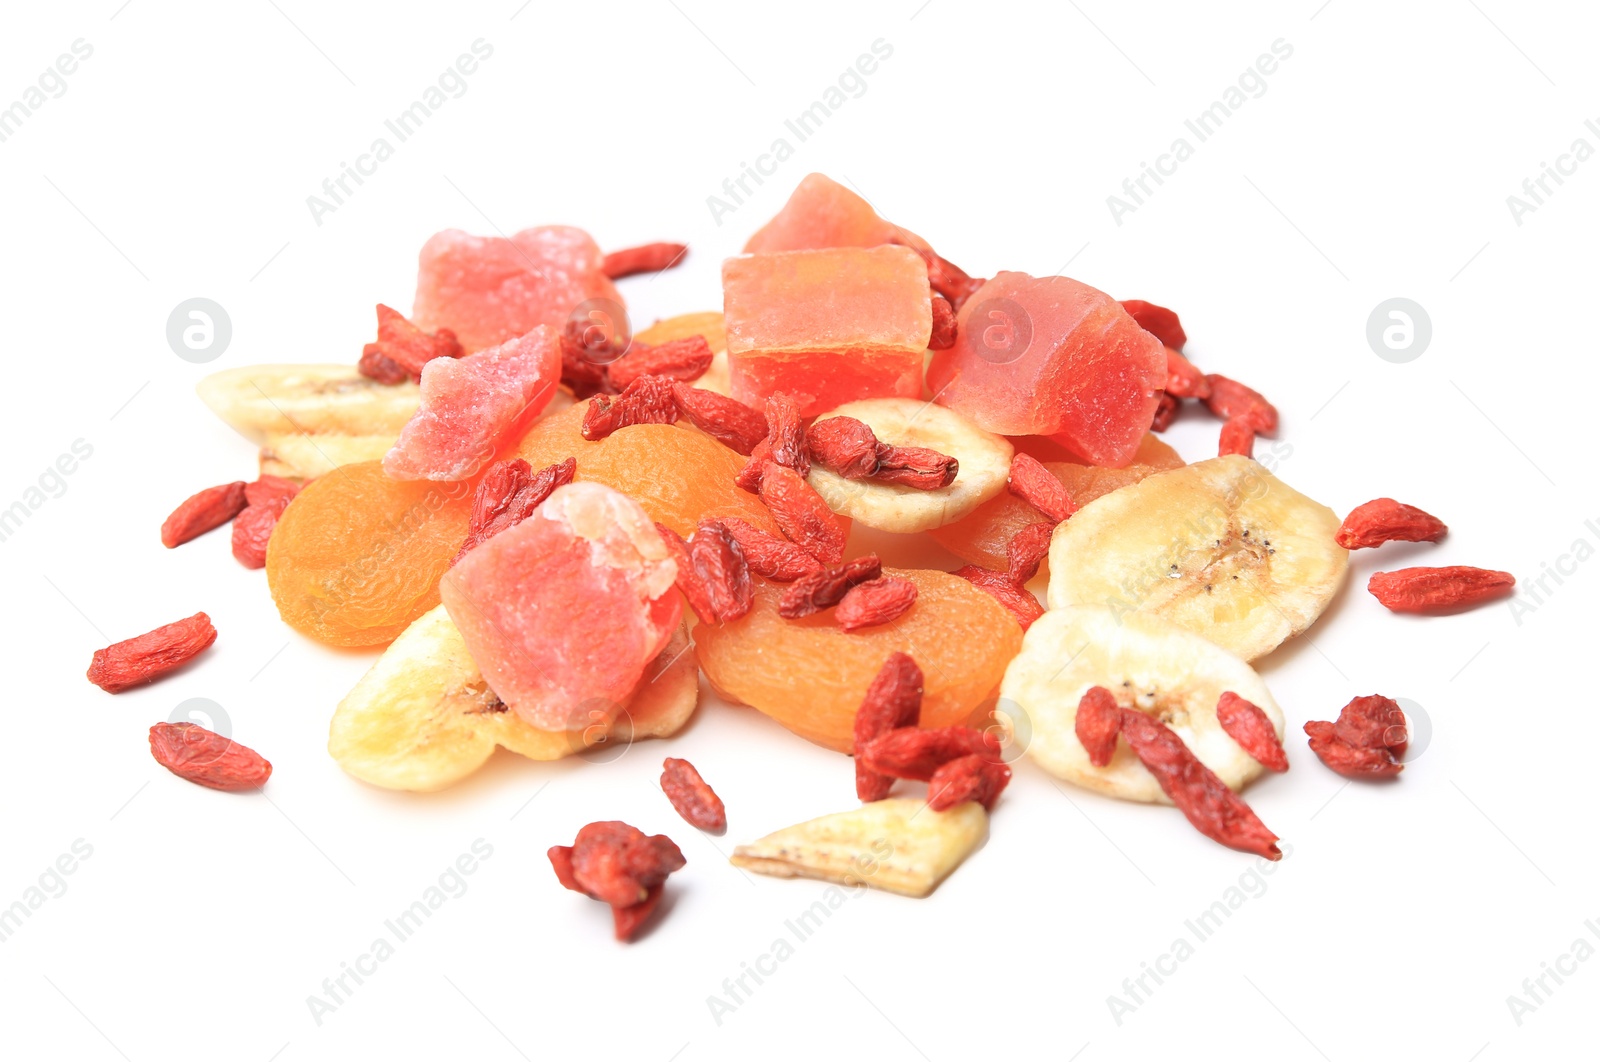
(981, 537)
(680, 475)
(357, 556)
(811, 676)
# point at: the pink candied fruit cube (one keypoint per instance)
(820, 213)
(827, 326)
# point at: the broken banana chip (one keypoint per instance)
(300, 456)
(983, 461)
(262, 400)
(1149, 665)
(900, 846)
(1222, 547)
(422, 718)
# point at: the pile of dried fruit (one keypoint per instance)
(537, 515)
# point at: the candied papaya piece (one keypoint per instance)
(681, 476)
(1053, 356)
(488, 289)
(563, 611)
(810, 675)
(981, 537)
(822, 213)
(827, 327)
(357, 556)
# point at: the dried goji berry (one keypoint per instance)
(1038, 486)
(1158, 321)
(691, 797)
(1097, 724)
(1238, 437)
(1184, 380)
(647, 400)
(786, 434)
(768, 555)
(375, 366)
(1428, 590)
(915, 753)
(583, 371)
(681, 359)
(875, 602)
(197, 755)
(1166, 412)
(843, 445)
(149, 656)
(823, 589)
(725, 419)
(267, 489)
(1019, 602)
(755, 469)
(1368, 740)
(976, 778)
(561, 860)
(627, 921)
(199, 513)
(915, 466)
(720, 566)
(944, 276)
(801, 514)
(1249, 726)
(617, 864)
(943, 336)
(689, 583)
(646, 258)
(1209, 805)
(894, 700)
(1386, 520)
(508, 494)
(404, 344)
(1027, 550)
(252, 529)
(1230, 398)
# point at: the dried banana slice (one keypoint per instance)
(899, 846)
(262, 400)
(1221, 547)
(301, 456)
(984, 461)
(1149, 665)
(422, 718)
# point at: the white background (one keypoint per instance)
(1377, 164)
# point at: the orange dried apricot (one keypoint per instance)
(678, 474)
(981, 536)
(357, 556)
(811, 676)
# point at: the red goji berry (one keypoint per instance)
(583, 371)
(1230, 398)
(976, 778)
(1238, 437)
(197, 755)
(1166, 412)
(647, 400)
(915, 466)
(1430, 590)
(1386, 520)
(1368, 740)
(1158, 321)
(403, 344)
(681, 359)
(1184, 380)
(267, 489)
(691, 797)
(617, 864)
(801, 514)
(755, 470)
(147, 657)
(646, 258)
(914, 753)
(561, 860)
(1027, 550)
(823, 589)
(1209, 805)
(720, 566)
(627, 921)
(843, 445)
(508, 494)
(1097, 724)
(786, 434)
(1038, 486)
(252, 529)
(689, 582)
(768, 555)
(875, 602)
(894, 700)
(375, 366)
(999, 585)
(1248, 725)
(943, 336)
(944, 276)
(199, 513)
(725, 419)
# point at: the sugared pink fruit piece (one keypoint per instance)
(473, 405)
(563, 612)
(488, 289)
(827, 327)
(824, 213)
(1052, 356)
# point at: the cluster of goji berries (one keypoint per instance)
(619, 865)
(402, 349)
(1034, 483)
(254, 509)
(1419, 590)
